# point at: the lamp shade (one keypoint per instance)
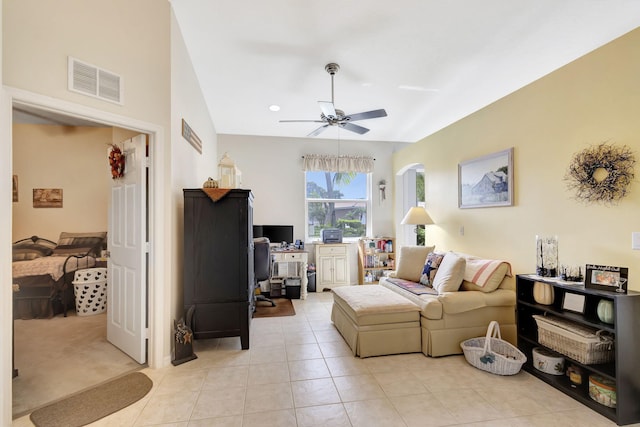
(417, 216)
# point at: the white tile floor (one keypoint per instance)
(299, 372)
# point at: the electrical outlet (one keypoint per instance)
(635, 240)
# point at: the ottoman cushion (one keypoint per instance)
(375, 305)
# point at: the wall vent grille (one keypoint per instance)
(96, 82)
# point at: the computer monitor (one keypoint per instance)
(275, 233)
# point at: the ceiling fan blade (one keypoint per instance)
(301, 121)
(354, 128)
(318, 131)
(367, 115)
(327, 108)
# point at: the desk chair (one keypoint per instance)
(261, 266)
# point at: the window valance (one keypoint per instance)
(331, 163)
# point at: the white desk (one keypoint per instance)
(290, 264)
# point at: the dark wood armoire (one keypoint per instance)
(218, 262)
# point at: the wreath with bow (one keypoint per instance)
(116, 161)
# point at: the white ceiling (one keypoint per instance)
(427, 62)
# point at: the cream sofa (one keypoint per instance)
(468, 292)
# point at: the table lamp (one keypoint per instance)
(417, 215)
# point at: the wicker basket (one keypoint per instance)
(581, 343)
(492, 354)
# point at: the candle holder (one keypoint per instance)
(547, 256)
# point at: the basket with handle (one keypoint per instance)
(492, 354)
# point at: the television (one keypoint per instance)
(275, 233)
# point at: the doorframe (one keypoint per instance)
(159, 255)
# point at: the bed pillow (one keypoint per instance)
(430, 268)
(411, 261)
(80, 243)
(450, 273)
(27, 251)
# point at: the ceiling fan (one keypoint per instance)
(331, 116)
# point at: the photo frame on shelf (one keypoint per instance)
(573, 302)
(486, 181)
(606, 278)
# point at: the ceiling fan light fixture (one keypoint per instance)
(331, 116)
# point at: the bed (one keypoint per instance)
(43, 272)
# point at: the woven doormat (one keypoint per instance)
(283, 308)
(95, 403)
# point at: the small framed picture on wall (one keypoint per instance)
(15, 188)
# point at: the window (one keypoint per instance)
(338, 200)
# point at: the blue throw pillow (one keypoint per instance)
(431, 265)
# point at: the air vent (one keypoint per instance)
(93, 81)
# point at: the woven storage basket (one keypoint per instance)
(581, 343)
(492, 354)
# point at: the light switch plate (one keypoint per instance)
(635, 240)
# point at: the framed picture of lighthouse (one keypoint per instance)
(486, 181)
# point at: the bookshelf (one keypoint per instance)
(375, 256)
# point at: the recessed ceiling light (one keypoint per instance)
(274, 107)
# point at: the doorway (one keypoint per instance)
(58, 356)
(409, 192)
(159, 259)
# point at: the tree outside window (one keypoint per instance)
(337, 200)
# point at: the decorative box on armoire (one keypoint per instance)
(218, 262)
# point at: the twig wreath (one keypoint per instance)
(116, 161)
(601, 173)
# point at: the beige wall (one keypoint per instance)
(136, 40)
(189, 169)
(592, 100)
(272, 168)
(71, 158)
(128, 38)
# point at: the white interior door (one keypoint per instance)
(127, 286)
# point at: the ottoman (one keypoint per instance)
(376, 321)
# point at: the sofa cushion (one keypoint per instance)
(461, 302)
(411, 260)
(435, 307)
(430, 268)
(450, 273)
(373, 305)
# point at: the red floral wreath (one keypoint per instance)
(116, 161)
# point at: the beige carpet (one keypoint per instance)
(283, 308)
(95, 403)
(61, 356)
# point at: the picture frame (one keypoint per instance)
(191, 137)
(15, 188)
(573, 302)
(486, 181)
(606, 278)
(47, 197)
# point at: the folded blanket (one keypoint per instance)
(413, 287)
(479, 270)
